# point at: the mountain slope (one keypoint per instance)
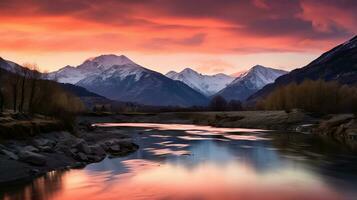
(205, 84)
(339, 64)
(92, 66)
(10, 66)
(119, 78)
(250, 82)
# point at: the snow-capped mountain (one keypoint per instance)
(205, 84)
(338, 64)
(91, 66)
(9, 66)
(250, 82)
(119, 78)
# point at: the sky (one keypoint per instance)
(212, 36)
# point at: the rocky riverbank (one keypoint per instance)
(28, 158)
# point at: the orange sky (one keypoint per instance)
(207, 35)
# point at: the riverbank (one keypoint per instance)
(28, 158)
(340, 126)
(273, 120)
(41, 151)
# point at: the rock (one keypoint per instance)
(81, 156)
(34, 172)
(114, 148)
(97, 150)
(10, 154)
(44, 142)
(30, 148)
(62, 148)
(46, 149)
(82, 146)
(32, 158)
(73, 150)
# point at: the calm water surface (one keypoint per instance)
(201, 162)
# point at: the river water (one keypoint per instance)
(200, 162)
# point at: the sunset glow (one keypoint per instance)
(168, 35)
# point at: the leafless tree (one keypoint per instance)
(34, 76)
(24, 73)
(14, 86)
(2, 98)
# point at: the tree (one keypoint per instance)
(2, 100)
(312, 96)
(14, 86)
(218, 103)
(235, 105)
(34, 76)
(24, 74)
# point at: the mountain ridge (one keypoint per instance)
(207, 85)
(119, 78)
(250, 82)
(337, 64)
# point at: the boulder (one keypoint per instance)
(46, 149)
(97, 150)
(82, 146)
(31, 148)
(114, 148)
(43, 142)
(81, 156)
(9, 154)
(32, 158)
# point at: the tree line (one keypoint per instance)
(27, 91)
(312, 96)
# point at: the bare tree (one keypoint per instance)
(34, 76)
(2, 98)
(24, 74)
(14, 86)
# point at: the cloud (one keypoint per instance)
(238, 26)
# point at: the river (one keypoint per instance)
(201, 162)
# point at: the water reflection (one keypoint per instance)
(194, 162)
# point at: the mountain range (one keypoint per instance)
(338, 64)
(250, 82)
(119, 78)
(208, 85)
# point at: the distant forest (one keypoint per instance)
(312, 96)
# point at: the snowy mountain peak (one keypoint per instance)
(250, 82)
(106, 61)
(259, 76)
(205, 84)
(94, 66)
(189, 71)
